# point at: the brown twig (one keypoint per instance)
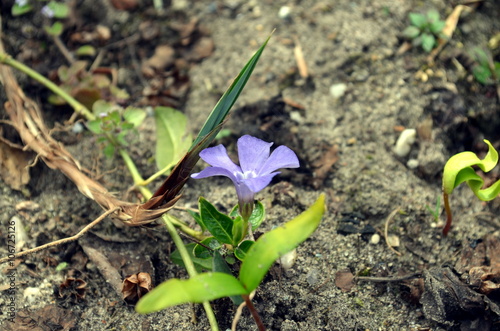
(62, 241)
(386, 230)
(388, 279)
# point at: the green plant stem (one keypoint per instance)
(188, 263)
(78, 107)
(447, 208)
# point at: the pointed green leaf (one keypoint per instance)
(200, 264)
(241, 251)
(411, 32)
(257, 217)
(428, 42)
(239, 230)
(459, 169)
(229, 97)
(18, 10)
(202, 287)
(274, 244)
(218, 224)
(172, 139)
(133, 115)
(418, 20)
(220, 265)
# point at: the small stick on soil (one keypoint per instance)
(389, 219)
(238, 313)
(388, 279)
(64, 240)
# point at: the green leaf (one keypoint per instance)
(220, 265)
(95, 126)
(241, 251)
(276, 243)
(482, 74)
(55, 29)
(172, 139)
(428, 42)
(60, 9)
(202, 287)
(86, 50)
(437, 26)
(135, 116)
(21, 10)
(411, 32)
(109, 151)
(459, 169)
(218, 224)
(204, 253)
(239, 230)
(257, 217)
(432, 16)
(418, 20)
(200, 264)
(198, 219)
(229, 97)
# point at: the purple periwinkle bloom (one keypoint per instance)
(256, 170)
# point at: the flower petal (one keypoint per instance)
(217, 157)
(215, 171)
(281, 157)
(258, 183)
(252, 153)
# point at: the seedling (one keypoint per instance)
(437, 209)
(425, 29)
(485, 71)
(259, 258)
(459, 169)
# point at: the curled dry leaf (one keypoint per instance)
(486, 279)
(73, 288)
(344, 279)
(135, 286)
(14, 168)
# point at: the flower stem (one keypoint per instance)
(77, 106)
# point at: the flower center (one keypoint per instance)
(245, 175)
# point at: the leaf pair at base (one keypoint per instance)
(213, 285)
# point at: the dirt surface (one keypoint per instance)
(345, 145)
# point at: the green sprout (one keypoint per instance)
(485, 71)
(459, 169)
(256, 263)
(425, 29)
(437, 209)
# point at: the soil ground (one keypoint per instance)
(353, 43)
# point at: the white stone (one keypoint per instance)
(338, 90)
(285, 12)
(31, 294)
(412, 163)
(404, 142)
(288, 260)
(375, 239)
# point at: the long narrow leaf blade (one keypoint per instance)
(202, 287)
(227, 100)
(274, 244)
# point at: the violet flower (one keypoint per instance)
(256, 170)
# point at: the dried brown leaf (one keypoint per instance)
(14, 166)
(344, 279)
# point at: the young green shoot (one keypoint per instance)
(459, 169)
(425, 29)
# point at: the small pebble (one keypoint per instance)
(288, 260)
(31, 294)
(412, 163)
(375, 239)
(338, 90)
(285, 12)
(404, 142)
(77, 127)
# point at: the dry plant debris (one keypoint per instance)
(135, 286)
